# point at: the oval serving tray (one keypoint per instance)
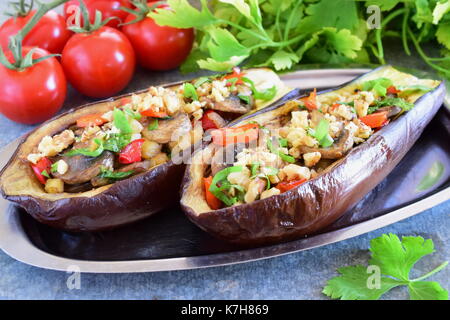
(168, 241)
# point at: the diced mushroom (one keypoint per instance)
(137, 167)
(83, 169)
(391, 110)
(231, 104)
(336, 151)
(170, 129)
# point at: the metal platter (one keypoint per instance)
(168, 241)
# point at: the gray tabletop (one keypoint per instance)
(296, 276)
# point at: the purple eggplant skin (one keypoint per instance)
(103, 208)
(319, 202)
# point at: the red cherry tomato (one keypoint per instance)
(158, 48)
(34, 94)
(108, 8)
(99, 64)
(50, 33)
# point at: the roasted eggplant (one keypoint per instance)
(306, 162)
(108, 164)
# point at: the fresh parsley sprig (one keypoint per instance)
(394, 259)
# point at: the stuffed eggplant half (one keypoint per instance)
(294, 168)
(109, 163)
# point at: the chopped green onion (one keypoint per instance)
(116, 142)
(121, 122)
(87, 152)
(379, 85)
(351, 104)
(189, 91)
(283, 142)
(327, 141)
(54, 167)
(154, 125)
(246, 99)
(133, 114)
(322, 129)
(266, 95)
(45, 174)
(254, 168)
(201, 81)
(221, 176)
(283, 156)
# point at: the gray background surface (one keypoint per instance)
(295, 276)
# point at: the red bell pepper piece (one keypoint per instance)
(42, 165)
(132, 152)
(236, 74)
(90, 119)
(288, 185)
(212, 201)
(242, 134)
(207, 123)
(310, 101)
(375, 120)
(154, 114)
(392, 90)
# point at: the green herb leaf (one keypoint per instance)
(426, 290)
(183, 15)
(399, 102)
(394, 259)
(87, 152)
(201, 81)
(352, 285)
(283, 60)
(108, 174)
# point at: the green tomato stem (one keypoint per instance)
(15, 43)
